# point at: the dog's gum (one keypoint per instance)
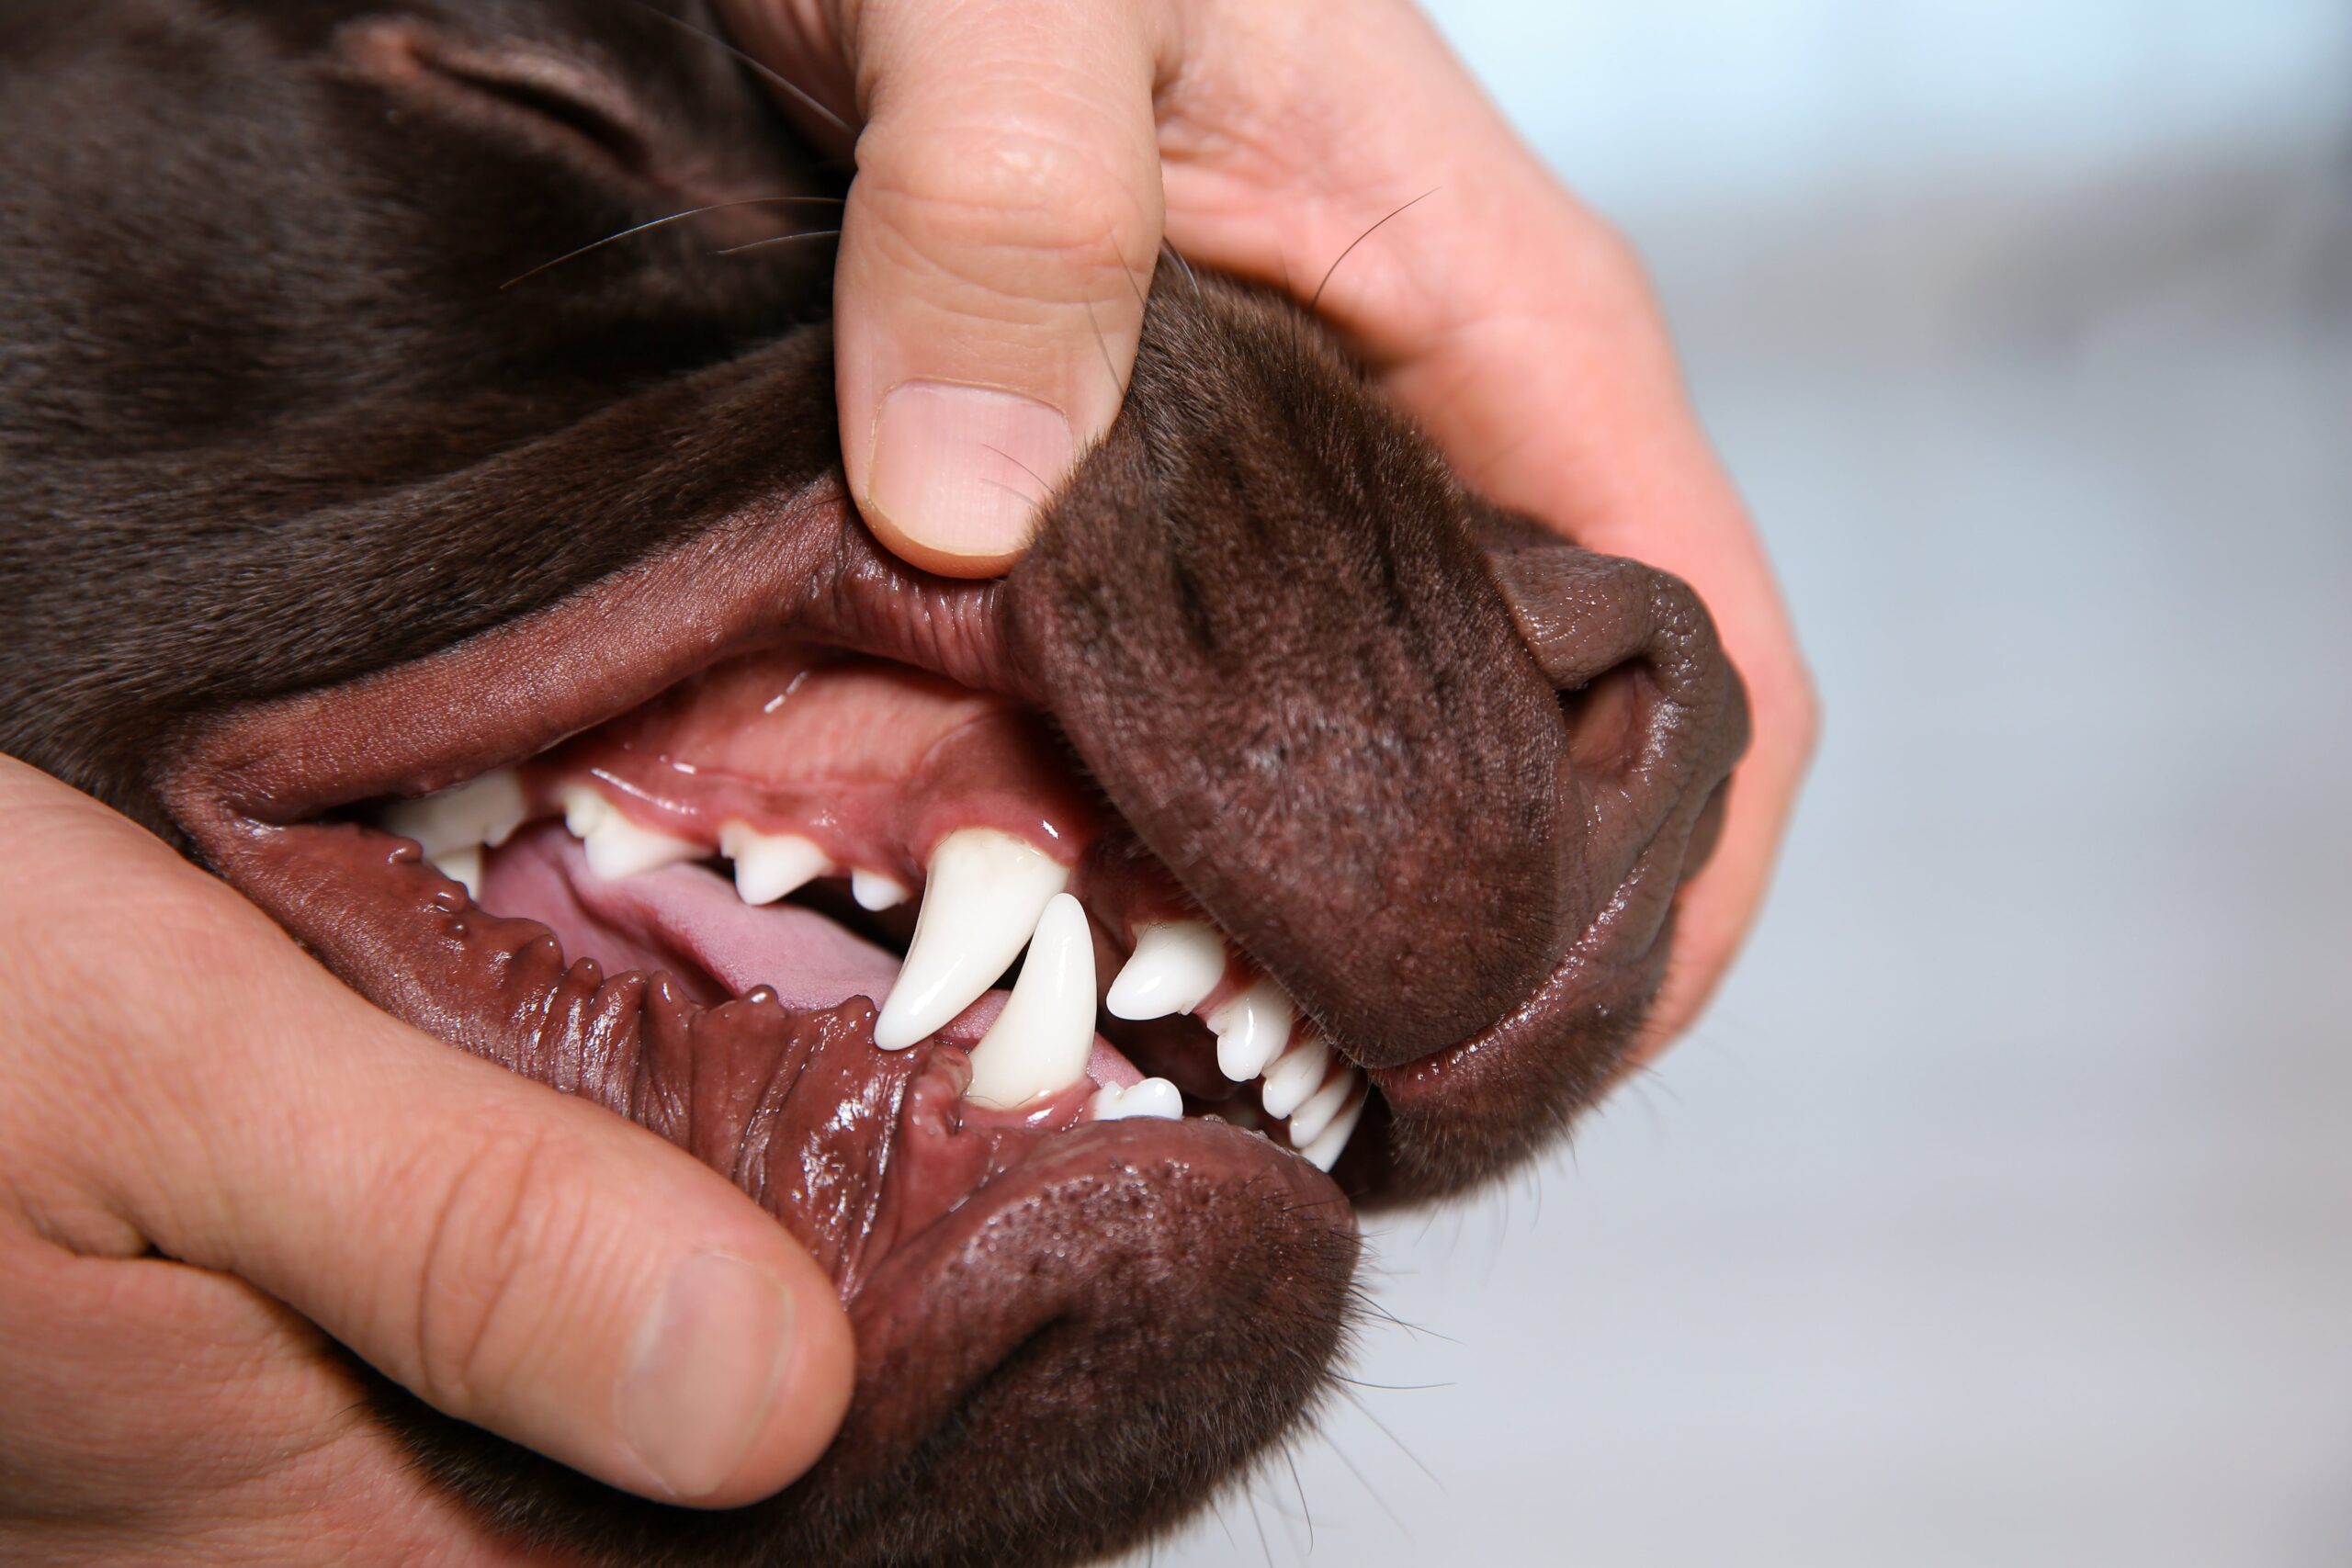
(875, 763)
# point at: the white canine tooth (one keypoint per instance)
(875, 891)
(617, 847)
(462, 867)
(1042, 1038)
(1251, 1030)
(1152, 1097)
(769, 867)
(1290, 1079)
(485, 810)
(1324, 1152)
(1175, 965)
(981, 899)
(1311, 1121)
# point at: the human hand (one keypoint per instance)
(215, 1161)
(1017, 165)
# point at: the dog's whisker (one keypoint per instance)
(637, 228)
(1390, 1387)
(1044, 491)
(1379, 1500)
(1021, 495)
(766, 73)
(1304, 1512)
(1104, 345)
(1178, 257)
(1265, 1547)
(778, 240)
(1381, 1427)
(1359, 239)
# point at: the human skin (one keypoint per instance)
(209, 1184)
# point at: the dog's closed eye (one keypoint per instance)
(556, 105)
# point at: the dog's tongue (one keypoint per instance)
(687, 919)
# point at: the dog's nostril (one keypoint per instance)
(1605, 719)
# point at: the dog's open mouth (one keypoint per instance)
(1047, 955)
(794, 839)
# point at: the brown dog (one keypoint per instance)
(306, 513)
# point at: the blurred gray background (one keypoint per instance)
(2001, 1210)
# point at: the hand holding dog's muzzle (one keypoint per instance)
(219, 1159)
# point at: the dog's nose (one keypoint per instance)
(1656, 715)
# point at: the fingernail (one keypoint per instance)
(703, 1373)
(963, 470)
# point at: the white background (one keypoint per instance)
(2001, 1212)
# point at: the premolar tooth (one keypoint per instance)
(1324, 1152)
(981, 899)
(1176, 965)
(1294, 1077)
(1152, 1097)
(875, 891)
(485, 810)
(617, 847)
(1041, 1040)
(1251, 1030)
(1312, 1120)
(769, 867)
(462, 867)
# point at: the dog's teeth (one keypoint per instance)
(617, 847)
(1324, 1151)
(1295, 1076)
(1041, 1040)
(462, 867)
(875, 891)
(1175, 965)
(1152, 1097)
(983, 897)
(1312, 1120)
(1251, 1030)
(769, 867)
(485, 810)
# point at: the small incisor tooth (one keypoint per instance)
(1324, 1151)
(1175, 965)
(877, 891)
(1295, 1076)
(1152, 1097)
(1311, 1121)
(769, 867)
(983, 897)
(1042, 1040)
(1252, 1030)
(616, 847)
(485, 810)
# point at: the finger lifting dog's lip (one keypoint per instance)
(599, 738)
